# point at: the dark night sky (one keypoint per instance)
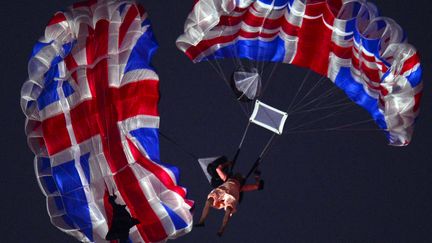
(320, 187)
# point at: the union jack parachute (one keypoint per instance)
(365, 55)
(92, 121)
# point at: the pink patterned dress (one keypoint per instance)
(226, 195)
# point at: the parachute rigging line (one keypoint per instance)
(180, 147)
(261, 157)
(240, 146)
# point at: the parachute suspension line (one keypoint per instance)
(324, 95)
(343, 127)
(269, 79)
(303, 124)
(267, 147)
(320, 108)
(250, 62)
(298, 90)
(319, 119)
(180, 147)
(339, 101)
(265, 64)
(219, 70)
(240, 146)
(236, 58)
(216, 70)
(238, 62)
(221, 73)
(317, 102)
(313, 88)
(340, 128)
(309, 92)
(323, 101)
(334, 130)
(244, 135)
(353, 124)
(261, 157)
(318, 105)
(261, 67)
(234, 55)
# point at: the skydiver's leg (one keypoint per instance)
(226, 218)
(205, 212)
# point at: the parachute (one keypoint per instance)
(364, 54)
(92, 121)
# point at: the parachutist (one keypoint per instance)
(122, 222)
(227, 196)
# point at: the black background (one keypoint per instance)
(320, 187)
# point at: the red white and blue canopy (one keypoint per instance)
(91, 103)
(364, 54)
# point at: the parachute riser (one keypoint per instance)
(239, 147)
(259, 159)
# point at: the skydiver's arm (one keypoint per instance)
(221, 173)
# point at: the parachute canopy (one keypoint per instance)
(92, 121)
(362, 53)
